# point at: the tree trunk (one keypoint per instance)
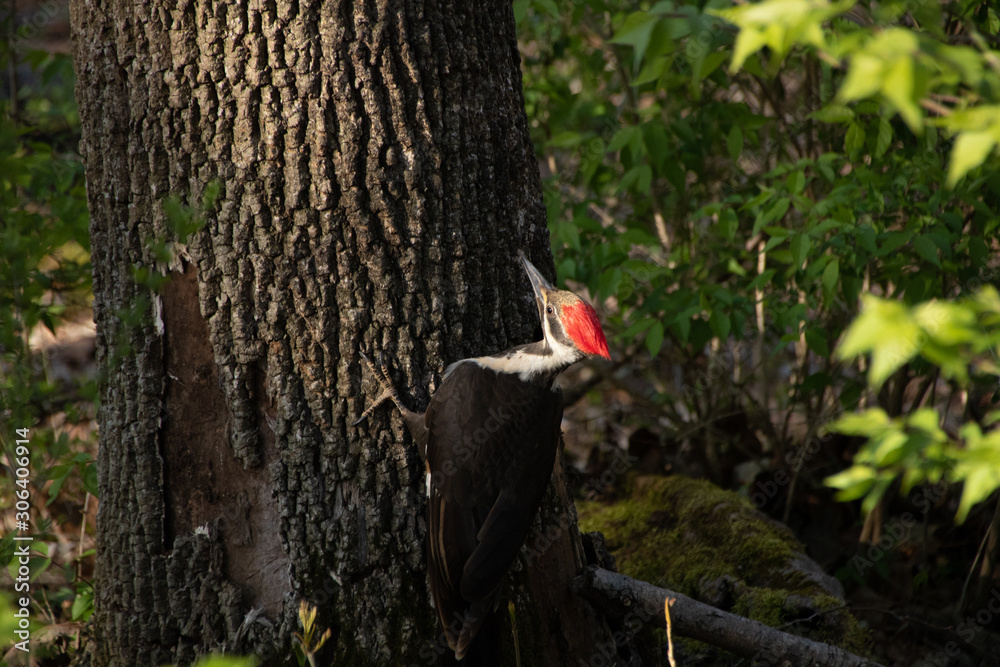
(376, 183)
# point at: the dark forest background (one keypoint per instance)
(786, 213)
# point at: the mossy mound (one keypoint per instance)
(713, 545)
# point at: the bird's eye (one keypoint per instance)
(549, 310)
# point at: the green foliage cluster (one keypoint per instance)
(311, 640)
(961, 340)
(45, 265)
(45, 281)
(45, 278)
(739, 175)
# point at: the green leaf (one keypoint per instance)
(899, 87)
(951, 324)
(980, 483)
(720, 323)
(654, 338)
(734, 142)
(817, 342)
(796, 181)
(661, 41)
(877, 491)
(635, 32)
(867, 423)
(55, 488)
(644, 183)
(884, 138)
(867, 238)
(927, 250)
(728, 223)
(565, 139)
(652, 70)
(891, 241)
(83, 605)
(624, 137)
(568, 232)
(978, 252)
(683, 327)
(887, 448)
(831, 274)
(90, 480)
(657, 145)
(637, 328)
(799, 246)
(608, 283)
(833, 113)
(638, 179)
(520, 10)
(853, 483)
(978, 467)
(550, 7)
(711, 63)
(775, 240)
(58, 475)
(748, 41)
(864, 78)
(855, 139)
(888, 331)
(971, 149)
(776, 211)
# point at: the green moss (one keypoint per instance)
(694, 538)
(676, 532)
(762, 604)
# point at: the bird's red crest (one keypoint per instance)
(582, 325)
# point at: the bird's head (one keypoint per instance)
(568, 322)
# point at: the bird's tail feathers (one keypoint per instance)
(479, 642)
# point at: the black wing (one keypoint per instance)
(491, 447)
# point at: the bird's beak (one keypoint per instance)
(538, 282)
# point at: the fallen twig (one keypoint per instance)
(690, 618)
(670, 634)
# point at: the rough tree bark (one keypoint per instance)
(376, 183)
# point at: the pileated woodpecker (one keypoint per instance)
(489, 438)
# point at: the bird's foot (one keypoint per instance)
(381, 374)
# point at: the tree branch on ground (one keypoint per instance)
(621, 594)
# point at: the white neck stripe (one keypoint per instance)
(525, 364)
